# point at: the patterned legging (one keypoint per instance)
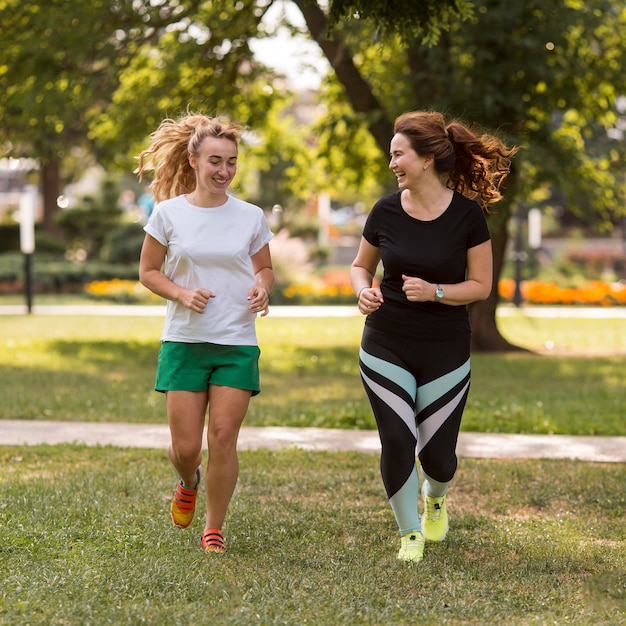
(418, 392)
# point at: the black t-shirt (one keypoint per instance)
(435, 251)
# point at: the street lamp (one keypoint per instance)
(28, 205)
(519, 255)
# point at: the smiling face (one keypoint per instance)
(215, 166)
(405, 163)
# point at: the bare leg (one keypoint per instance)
(227, 409)
(186, 412)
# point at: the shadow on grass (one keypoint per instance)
(128, 354)
(102, 380)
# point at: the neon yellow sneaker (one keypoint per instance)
(434, 518)
(184, 503)
(412, 547)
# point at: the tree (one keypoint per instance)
(545, 74)
(60, 66)
(67, 68)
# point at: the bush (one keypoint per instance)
(10, 237)
(123, 244)
(49, 244)
(54, 275)
(598, 262)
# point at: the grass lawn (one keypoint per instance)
(86, 537)
(102, 369)
(86, 540)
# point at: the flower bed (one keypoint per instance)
(593, 293)
(118, 290)
(334, 288)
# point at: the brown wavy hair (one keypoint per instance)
(475, 164)
(171, 145)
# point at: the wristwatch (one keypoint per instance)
(438, 292)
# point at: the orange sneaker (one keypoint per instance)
(184, 503)
(212, 540)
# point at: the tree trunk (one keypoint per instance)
(485, 334)
(50, 189)
(357, 89)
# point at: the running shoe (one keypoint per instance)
(412, 547)
(184, 503)
(212, 540)
(434, 518)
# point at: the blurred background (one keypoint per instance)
(318, 84)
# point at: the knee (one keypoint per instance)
(223, 437)
(185, 452)
(438, 467)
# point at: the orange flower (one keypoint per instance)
(594, 293)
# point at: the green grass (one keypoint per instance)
(86, 540)
(102, 369)
(86, 537)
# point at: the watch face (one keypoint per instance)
(439, 292)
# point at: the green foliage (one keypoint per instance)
(88, 226)
(11, 267)
(275, 159)
(544, 75)
(123, 244)
(9, 237)
(424, 20)
(344, 144)
(192, 65)
(311, 540)
(60, 66)
(48, 244)
(55, 274)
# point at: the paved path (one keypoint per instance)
(471, 445)
(303, 311)
(159, 310)
(477, 445)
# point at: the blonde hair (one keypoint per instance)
(476, 165)
(171, 145)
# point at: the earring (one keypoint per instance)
(425, 167)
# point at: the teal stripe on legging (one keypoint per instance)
(404, 504)
(427, 429)
(402, 409)
(435, 389)
(395, 373)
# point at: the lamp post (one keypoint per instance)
(519, 255)
(28, 204)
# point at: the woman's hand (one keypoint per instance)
(259, 300)
(370, 300)
(195, 299)
(418, 290)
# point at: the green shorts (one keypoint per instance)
(195, 366)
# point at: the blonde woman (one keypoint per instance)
(207, 253)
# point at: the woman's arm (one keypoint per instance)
(264, 281)
(150, 274)
(476, 286)
(362, 275)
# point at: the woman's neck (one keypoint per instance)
(426, 203)
(206, 201)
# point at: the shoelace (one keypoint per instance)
(433, 510)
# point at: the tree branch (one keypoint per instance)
(357, 89)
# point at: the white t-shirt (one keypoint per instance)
(210, 248)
